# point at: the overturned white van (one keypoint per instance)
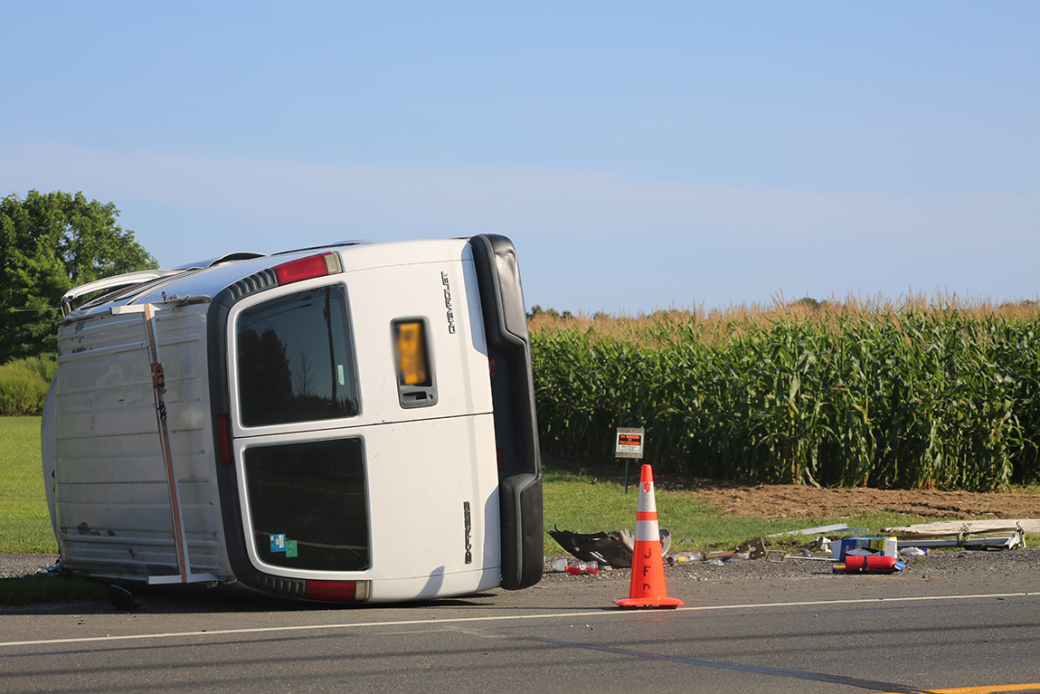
(348, 423)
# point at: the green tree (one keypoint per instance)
(50, 243)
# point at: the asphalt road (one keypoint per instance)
(750, 628)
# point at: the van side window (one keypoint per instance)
(296, 359)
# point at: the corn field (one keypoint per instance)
(907, 396)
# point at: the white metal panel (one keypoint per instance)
(111, 499)
(181, 338)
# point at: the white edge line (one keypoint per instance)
(495, 618)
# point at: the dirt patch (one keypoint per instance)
(796, 501)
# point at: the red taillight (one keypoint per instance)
(223, 438)
(336, 591)
(491, 366)
(307, 268)
(501, 459)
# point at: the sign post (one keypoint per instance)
(629, 446)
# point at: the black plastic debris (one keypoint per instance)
(613, 548)
(123, 599)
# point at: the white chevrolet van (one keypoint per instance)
(346, 423)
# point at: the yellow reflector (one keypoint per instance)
(411, 353)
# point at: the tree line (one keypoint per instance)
(50, 243)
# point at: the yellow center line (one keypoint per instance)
(1035, 687)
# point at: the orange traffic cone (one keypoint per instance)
(647, 587)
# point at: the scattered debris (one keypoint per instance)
(869, 564)
(1015, 541)
(837, 529)
(855, 554)
(576, 568)
(123, 599)
(709, 556)
(821, 530)
(756, 549)
(865, 546)
(969, 527)
(614, 549)
(684, 557)
(821, 543)
(605, 547)
(776, 555)
(610, 548)
(926, 535)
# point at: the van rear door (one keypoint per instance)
(362, 437)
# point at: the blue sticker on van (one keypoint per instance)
(278, 543)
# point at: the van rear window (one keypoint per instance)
(296, 359)
(308, 504)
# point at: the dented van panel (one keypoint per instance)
(322, 424)
(111, 485)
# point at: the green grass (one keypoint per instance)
(585, 503)
(576, 501)
(25, 524)
(24, 384)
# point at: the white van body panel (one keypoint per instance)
(106, 439)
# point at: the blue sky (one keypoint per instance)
(641, 156)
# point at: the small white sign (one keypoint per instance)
(629, 443)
